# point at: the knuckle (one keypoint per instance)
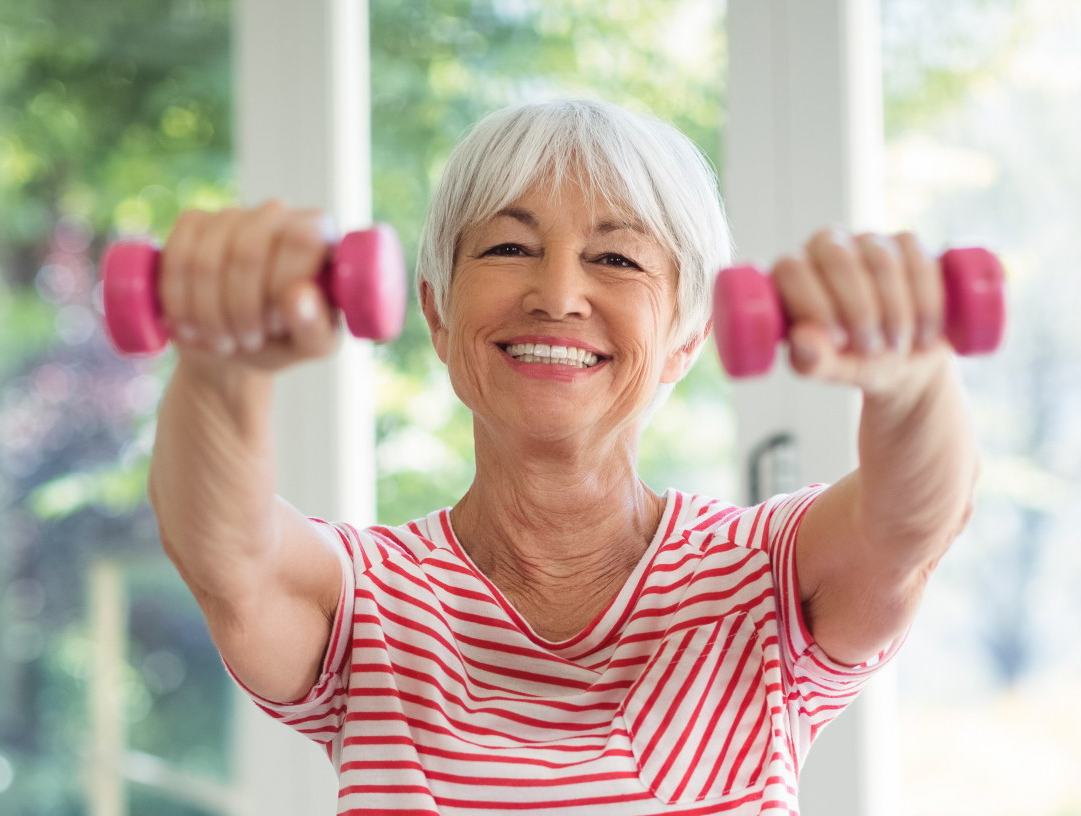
(248, 251)
(788, 268)
(827, 236)
(906, 238)
(914, 249)
(271, 205)
(301, 237)
(204, 261)
(190, 220)
(879, 252)
(836, 260)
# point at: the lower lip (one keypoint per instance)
(553, 371)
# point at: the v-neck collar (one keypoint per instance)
(607, 623)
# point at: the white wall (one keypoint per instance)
(803, 151)
(302, 134)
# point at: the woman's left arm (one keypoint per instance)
(866, 547)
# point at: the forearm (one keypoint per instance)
(212, 475)
(918, 464)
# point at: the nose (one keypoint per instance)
(558, 288)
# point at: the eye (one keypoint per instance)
(617, 260)
(506, 251)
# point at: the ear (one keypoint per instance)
(435, 323)
(679, 361)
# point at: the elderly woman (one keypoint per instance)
(563, 639)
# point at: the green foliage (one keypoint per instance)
(114, 489)
(113, 117)
(26, 327)
(934, 61)
(117, 113)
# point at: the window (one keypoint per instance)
(982, 125)
(112, 118)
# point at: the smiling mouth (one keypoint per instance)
(552, 355)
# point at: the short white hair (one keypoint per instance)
(638, 164)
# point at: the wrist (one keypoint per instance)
(242, 393)
(921, 378)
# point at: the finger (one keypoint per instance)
(807, 303)
(309, 320)
(247, 275)
(174, 279)
(882, 258)
(301, 252)
(207, 284)
(834, 257)
(925, 284)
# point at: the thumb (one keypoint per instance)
(812, 350)
(311, 322)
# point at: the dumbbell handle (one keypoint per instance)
(364, 278)
(749, 322)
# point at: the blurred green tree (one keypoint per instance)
(112, 118)
(115, 117)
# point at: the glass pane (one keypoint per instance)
(113, 117)
(983, 116)
(436, 69)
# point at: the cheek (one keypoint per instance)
(645, 314)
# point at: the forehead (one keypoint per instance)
(592, 210)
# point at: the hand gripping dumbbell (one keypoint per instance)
(749, 322)
(364, 278)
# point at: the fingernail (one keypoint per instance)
(840, 237)
(839, 336)
(899, 338)
(929, 332)
(328, 228)
(186, 333)
(804, 355)
(275, 323)
(869, 339)
(225, 346)
(307, 307)
(252, 341)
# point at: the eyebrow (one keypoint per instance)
(525, 216)
(603, 227)
(616, 224)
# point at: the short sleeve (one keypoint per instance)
(319, 715)
(817, 687)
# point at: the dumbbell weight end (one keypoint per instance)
(748, 320)
(365, 279)
(134, 320)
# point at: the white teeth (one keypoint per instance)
(543, 353)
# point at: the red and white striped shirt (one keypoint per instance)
(697, 691)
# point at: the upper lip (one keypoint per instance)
(551, 341)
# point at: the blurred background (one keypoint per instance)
(116, 116)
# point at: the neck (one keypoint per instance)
(557, 527)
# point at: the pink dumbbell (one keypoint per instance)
(749, 323)
(365, 278)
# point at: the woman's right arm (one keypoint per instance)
(238, 288)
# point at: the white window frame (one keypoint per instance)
(804, 150)
(302, 135)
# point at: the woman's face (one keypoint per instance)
(559, 317)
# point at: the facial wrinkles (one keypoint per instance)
(629, 338)
(462, 336)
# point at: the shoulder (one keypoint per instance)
(712, 522)
(414, 542)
